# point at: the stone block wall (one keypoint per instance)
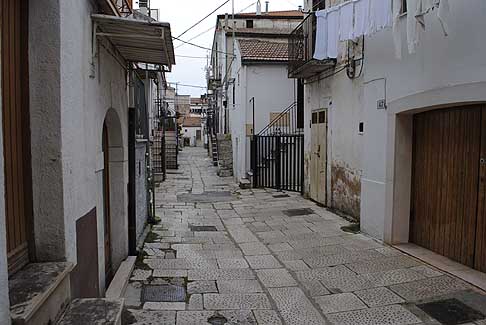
(225, 153)
(141, 184)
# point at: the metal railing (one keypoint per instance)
(302, 42)
(289, 121)
(123, 7)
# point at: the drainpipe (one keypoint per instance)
(132, 217)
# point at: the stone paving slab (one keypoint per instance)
(300, 269)
(143, 317)
(295, 307)
(339, 302)
(221, 274)
(272, 278)
(241, 317)
(388, 315)
(263, 262)
(248, 301)
(239, 286)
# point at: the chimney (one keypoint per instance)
(300, 8)
(266, 6)
(258, 8)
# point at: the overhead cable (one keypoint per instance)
(205, 17)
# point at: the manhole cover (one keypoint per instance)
(203, 228)
(217, 320)
(163, 293)
(281, 196)
(298, 212)
(451, 311)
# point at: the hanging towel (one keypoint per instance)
(361, 17)
(346, 12)
(412, 25)
(380, 15)
(443, 15)
(333, 32)
(397, 33)
(320, 52)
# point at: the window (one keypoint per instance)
(322, 117)
(249, 24)
(314, 118)
(361, 128)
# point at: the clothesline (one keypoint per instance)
(357, 18)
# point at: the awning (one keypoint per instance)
(138, 40)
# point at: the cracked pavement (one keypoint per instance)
(264, 262)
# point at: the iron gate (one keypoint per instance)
(277, 152)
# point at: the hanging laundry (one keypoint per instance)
(333, 32)
(413, 25)
(380, 15)
(320, 52)
(346, 13)
(361, 17)
(443, 15)
(397, 33)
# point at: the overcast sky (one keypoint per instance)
(181, 14)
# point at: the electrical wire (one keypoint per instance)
(201, 47)
(205, 17)
(191, 57)
(211, 28)
(184, 85)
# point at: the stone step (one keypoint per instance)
(245, 184)
(39, 293)
(93, 311)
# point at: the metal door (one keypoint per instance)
(318, 158)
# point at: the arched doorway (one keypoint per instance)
(113, 197)
(106, 206)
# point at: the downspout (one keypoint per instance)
(132, 217)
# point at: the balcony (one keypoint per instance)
(119, 8)
(302, 42)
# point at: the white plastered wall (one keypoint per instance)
(444, 72)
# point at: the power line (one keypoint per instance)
(191, 57)
(184, 85)
(201, 47)
(211, 28)
(205, 17)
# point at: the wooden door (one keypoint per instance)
(480, 249)
(318, 157)
(446, 160)
(106, 207)
(16, 131)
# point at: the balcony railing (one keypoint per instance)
(302, 43)
(121, 8)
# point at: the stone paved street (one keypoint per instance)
(267, 257)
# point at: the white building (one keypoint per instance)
(260, 91)
(403, 131)
(192, 131)
(71, 214)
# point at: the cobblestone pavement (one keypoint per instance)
(267, 257)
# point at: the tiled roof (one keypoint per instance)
(192, 121)
(285, 13)
(259, 50)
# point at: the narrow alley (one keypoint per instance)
(224, 255)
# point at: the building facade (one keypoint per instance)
(402, 118)
(68, 117)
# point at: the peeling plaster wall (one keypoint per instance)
(342, 97)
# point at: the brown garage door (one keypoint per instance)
(448, 213)
(15, 122)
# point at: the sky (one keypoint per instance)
(182, 14)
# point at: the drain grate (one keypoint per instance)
(281, 196)
(217, 320)
(298, 212)
(451, 311)
(163, 293)
(202, 228)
